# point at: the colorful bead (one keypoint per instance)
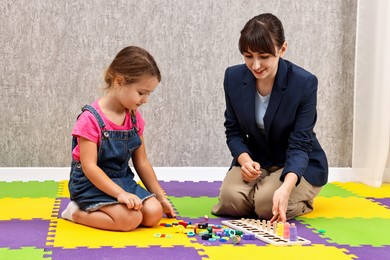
(206, 237)
(293, 232)
(235, 239)
(286, 231)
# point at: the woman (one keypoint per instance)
(278, 164)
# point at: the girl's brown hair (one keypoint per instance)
(132, 63)
(261, 34)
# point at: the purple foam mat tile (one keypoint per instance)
(308, 233)
(214, 221)
(218, 243)
(369, 252)
(384, 201)
(191, 189)
(23, 233)
(303, 232)
(63, 204)
(153, 252)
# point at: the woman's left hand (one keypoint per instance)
(280, 203)
(281, 197)
(167, 208)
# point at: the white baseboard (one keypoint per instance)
(163, 173)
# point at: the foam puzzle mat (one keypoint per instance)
(350, 221)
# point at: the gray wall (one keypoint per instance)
(53, 56)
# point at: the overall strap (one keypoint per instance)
(98, 118)
(96, 114)
(134, 122)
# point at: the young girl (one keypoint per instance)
(106, 135)
(278, 165)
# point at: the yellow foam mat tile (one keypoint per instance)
(365, 190)
(350, 207)
(141, 184)
(63, 191)
(273, 252)
(26, 208)
(70, 235)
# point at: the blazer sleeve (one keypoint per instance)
(300, 141)
(235, 136)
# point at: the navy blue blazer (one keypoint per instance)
(288, 139)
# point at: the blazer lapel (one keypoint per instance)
(276, 95)
(248, 98)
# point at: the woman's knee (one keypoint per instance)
(263, 212)
(263, 206)
(231, 196)
(227, 194)
(152, 212)
(233, 203)
(299, 208)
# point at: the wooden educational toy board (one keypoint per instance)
(262, 233)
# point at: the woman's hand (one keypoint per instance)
(280, 203)
(281, 197)
(250, 171)
(167, 207)
(132, 201)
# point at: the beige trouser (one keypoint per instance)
(238, 198)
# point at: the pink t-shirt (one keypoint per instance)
(87, 127)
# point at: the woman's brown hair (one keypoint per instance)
(261, 34)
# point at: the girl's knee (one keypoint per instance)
(129, 222)
(152, 212)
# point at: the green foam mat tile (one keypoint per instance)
(193, 207)
(332, 190)
(353, 232)
(31, 189)
(30, 253)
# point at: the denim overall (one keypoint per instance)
(114, 152)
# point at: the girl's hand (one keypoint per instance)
(132, 201)
(250, 171)
(167, 207)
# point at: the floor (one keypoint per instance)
(350, 221)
